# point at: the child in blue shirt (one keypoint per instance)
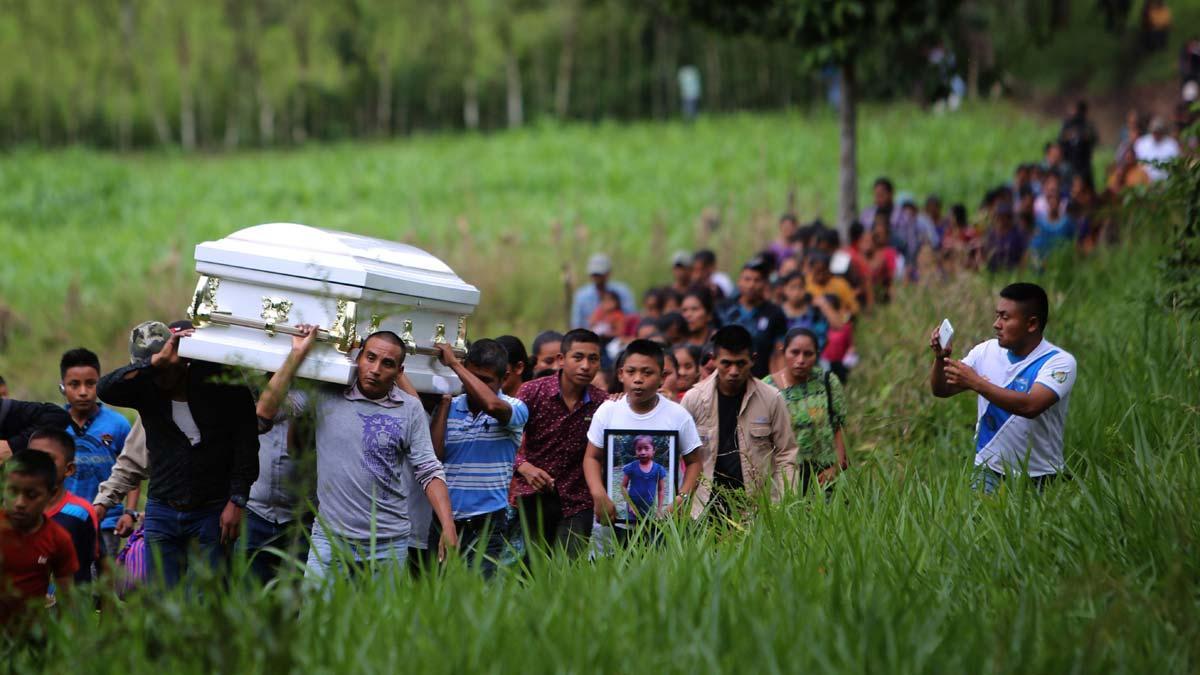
(645, 481)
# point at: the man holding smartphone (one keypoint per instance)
(1023, 382)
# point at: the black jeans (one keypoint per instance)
(546, 527)
(481, 539)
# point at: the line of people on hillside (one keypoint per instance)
(520, 461)
(745, 376)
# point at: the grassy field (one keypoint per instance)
(94, 243)
(905, 571)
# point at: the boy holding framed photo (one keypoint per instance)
(664, 429)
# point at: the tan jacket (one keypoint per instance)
(765, 438)
(131, 469)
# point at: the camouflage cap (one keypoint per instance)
(146, 340)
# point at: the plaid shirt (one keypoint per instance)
(556, 439)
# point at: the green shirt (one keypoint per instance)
(811, 419)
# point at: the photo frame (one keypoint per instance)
(641, 488)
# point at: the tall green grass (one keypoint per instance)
(905, 570)
(91, 244)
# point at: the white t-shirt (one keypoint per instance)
(666, 416)
(1149, 150)
(182, 416)
(1039, 439)
(723, 282)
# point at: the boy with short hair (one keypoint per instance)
(99, 433)
(33, 548)
(483, 431)
(73, 513)
(641, 409)
(552, 493)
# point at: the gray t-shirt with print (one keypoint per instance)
(368, 455)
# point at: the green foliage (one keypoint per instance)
(832, 31)
(141, 73)
(95, 243)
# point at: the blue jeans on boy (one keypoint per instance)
(260, 534)
(171, 534)
(481, 538)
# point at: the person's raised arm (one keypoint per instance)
(1029, 404)
(476, 390)
(938, 383)
(26, 417)
(406, 385)
(835, 318)
(437, 426)
(277, 389)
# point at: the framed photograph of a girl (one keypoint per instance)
(639, 472)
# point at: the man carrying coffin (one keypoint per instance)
(369, 436)
(1023, 382)
(202, 443)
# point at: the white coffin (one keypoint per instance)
(258, 283)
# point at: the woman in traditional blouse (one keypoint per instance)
(817, 406)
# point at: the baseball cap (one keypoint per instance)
(681, 259)
(147, 339)
(599, 264)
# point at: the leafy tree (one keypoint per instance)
(837, 32)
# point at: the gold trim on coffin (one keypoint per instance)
(275, 310)
(204, 300)
(342, 335)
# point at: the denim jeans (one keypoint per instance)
(172, 534)
(545, 526)
(989, 481)
(261, 534)
(325, 554)
(481, 539)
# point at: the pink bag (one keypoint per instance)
(132, 561)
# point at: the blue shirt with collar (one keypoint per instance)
(480, 453)
(97, 444)
(587, 299)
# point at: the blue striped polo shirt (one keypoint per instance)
(480, 453)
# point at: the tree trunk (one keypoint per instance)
(232, 126)
(712, 74)
(187, 102)
(566, 61)
(512, 79)
(125, 120)
(162, 128)
(848, 162)
(266, 116)
(383, 107)
(187, 117)
(471, 103)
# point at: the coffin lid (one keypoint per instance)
(307, 252)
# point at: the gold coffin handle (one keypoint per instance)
(336, 336)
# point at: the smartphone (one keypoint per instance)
(945, 333)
